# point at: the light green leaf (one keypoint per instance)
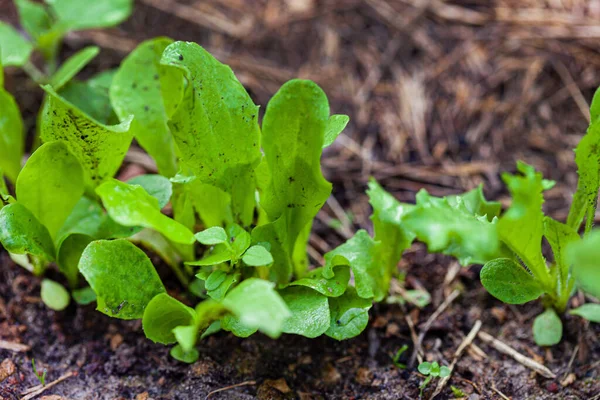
(51, 184)
(156, 186)
(22, 233)
(12, 138)
(257, 256)
(99, 148)
(90, 99)
(54, 295)
(309, 312)
(589, 311)
(425, 368)
(584, 257)
(233, 324)
(33, 17)
(335, 126)
(79, 15)
(212, 236)
(444, 371)
(547, 328)
(332, 287)
(122, 276)
(218, 291)
(360, 254)
(219, 254)
(559, 236)
(188, 357)
(521, 227)
(349, 315)
(205, 314)
(162, 315)
(509, 282)
(68, 255)
(72, 66)
(84, 296)
(211, 203)
(257, 305)
(216, 128)
(15, 50)
(240, 240)
(131, 205)
(476, 204)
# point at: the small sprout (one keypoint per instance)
(40, 376)
(458, 393)
(396, 357)
(432, 370)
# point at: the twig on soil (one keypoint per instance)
(498, 392)
(39, 389)
(571, 360)
(246, 383)
(18, 347)
(430, 322)
(506, 349)
(464, 344)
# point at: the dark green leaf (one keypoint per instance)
(508, 281)
(68, 255)
(162, 315)
(72, 66)
(14, 49)
(589, 311)
(54, 295)
(22, 233)
(84, 296)
(332, 287)
(12, 138)
(156, 186)
(349, 315)
(547, 328)
(78, 15)
(309, 312)
(335, 126)
(179, 354)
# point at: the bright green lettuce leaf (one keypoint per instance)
(257, 305)
(292, 187)
(99, 148)
(205, 314)
(5, 197)
(332, 287)
(233, 324)
(300, 255)
(521, 227)
(72, 66)
(547, 328)
(218, 255)
(389, 230)
(87, 218)
(475, 203)
(584, 257)
(122, 276)
(360, 254)
(131, 205)
(79, 15)
(349, 315)
(162, 315)
(51, 184)
(257, 256)
(216, 128)
(211, 203)
(450, 228)
(508, 281)
(180, 354)
(218, 289)
(309, 312)
(54, 295)
(90, 99)
(156, 186)
(240, 240)
(22, 233)
(589, 311)
(212, 236)
(12, 138)
(151, 93)
(15, 50)
(68, 255)
(33, 17)
(84, 296)
(183, 212)
(335, 126)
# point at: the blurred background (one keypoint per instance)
(442, 95)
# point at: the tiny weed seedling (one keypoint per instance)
(40, 376)
(396, 357)
(431, 370)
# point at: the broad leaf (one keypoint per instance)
(151, 94)
(211, 203)
(78, 15)
(309, 312)
(99, 148)
(12, 138)
(257, 305)
(349, 315)
(131, 205)
(54, 295)
(218, 255)
(509, 282)
(68, 255)
(584, 257)
(72, 66)
(156, 186)
(216, 128)
(212, 236)
(240, 240)
(22, 233)
(162, 315)
(122, 276)
(335, 126)
(589, 311)
(14, 49)
(332, 287)
(547, 328)
(51, 184)
(257, 256)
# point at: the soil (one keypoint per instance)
(442, 97)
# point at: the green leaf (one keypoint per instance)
(72, 66)
(211, 203)
(240, 240)
(257, 305)
(54, 295)
(78, 15)
(131, 205)
(90, 99)
(68, 255)
(444, 371)
(22, 233)
(508, 281)
(84, 296)
(189, 357)
(424, 368)
(87, 218)
(335, 126)
(360, 254)
(12, 138)
(547, 328)
(33, 17)
(162, 315)
(99, 148)
(257, 256)
(332, 287)
(206, 313)
(349, 315)
(475, 203)
(151, 94)
(233, 324)
(309, 312)
(122, 276)
(218, 291)
(212, 236)
(216, 126)
(157, 243)
(292, 187)
(15, 50)
(51, 184)
(156, 186)
(220, 254)
(449, 227)
(584, 258)
(521, 227)
(589, 311)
